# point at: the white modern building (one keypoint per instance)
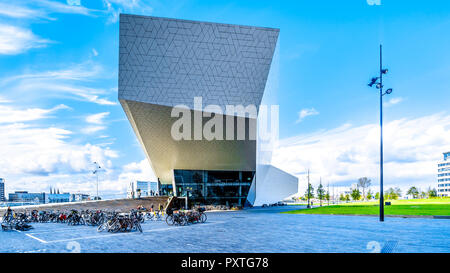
(2, 190)
(443, 188)
(146, 188)
(78, 197)
(171, 65)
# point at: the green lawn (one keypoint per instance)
(435, 206)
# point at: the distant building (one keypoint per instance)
(443, 188)
(146, 188)
(2, 190)
(78, 197)
(24, 196)
(58, 197)
(153, 187)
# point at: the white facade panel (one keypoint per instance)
(272, 185)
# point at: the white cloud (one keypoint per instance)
(84, 71)
(3, 100)
(31, 9)
(58, 7)
(32, 157)
(126, 3)
(73, 2)
(115, 7)
(10, 114)
(305, 113)
(92, 129)
(17, 11)
(97, 118)
(65, 83)
(15, 40)
(137, 171)
(393, 101)
(95, 52)
(340, 156)
(44, 151)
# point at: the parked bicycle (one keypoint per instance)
(122, 222)
(75, 218)
(10, 221)
(182, 218)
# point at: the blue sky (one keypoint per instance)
(58, 88)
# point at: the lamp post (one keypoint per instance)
(378, 81)
(97, 168)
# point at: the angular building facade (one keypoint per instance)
(167, 64)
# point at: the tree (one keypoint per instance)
(377, 196)
(356, 194)
(398, 192)
(310, 193)
(342, 197)
(320, 193)
(431, 192)
(327, 196)
(413, 191)
(369, 194)
(393, 194)
(364, 183)
(347, 197)
(423, 194)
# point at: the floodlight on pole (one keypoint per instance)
(379, 85)
(97, 168)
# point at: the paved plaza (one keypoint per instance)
(251, 230)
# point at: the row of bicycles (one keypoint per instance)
(186, 217)
(84, 217)
(10, 222)
(110, 221)
(122, 222)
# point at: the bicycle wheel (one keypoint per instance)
(102, 227)
(203, 217)
(170, 220)
(115, 227)
(138, 225)
(149, 216)
(184, 221)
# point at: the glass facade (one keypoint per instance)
(166, 189)
(58, 197)
(213, 187)
(24, 196)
